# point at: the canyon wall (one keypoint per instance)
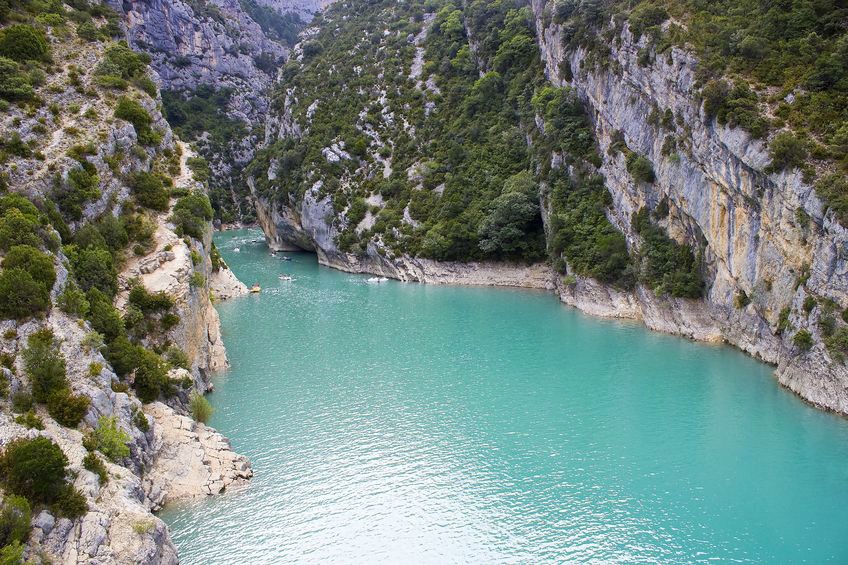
(763, 236)
(170, 455)
(720, 195)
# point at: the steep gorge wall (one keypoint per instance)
(718, 195)
(749, 224)
(215, 44)
(170, 455)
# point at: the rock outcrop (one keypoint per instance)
(119, 526)
(217, 44)
(719, 194)
(191, 459)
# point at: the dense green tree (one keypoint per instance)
(34, 468)
(149, 191)
(192, 214)
(21, 296)
(95, 268)
(104, 317)
(44, 365)
(16, 228)
(22, 42)
(38, 264)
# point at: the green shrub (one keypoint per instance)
(192, 214)
(83, 185)
(39, 265)
(14, 83)
(70, 503)
(12, 554)
(114, 233)
(197, 280)
(216, 259)
(89, 237)
(200, 168)
(140, 421)
(104, 318)
(640, 168)
(21, 296)
(21, 402)
(66, 408)
(22, 42)
(803, 340)
(149, 191)
(88, 31)
(787, 152)
(111, 441)
(92, 463)
(118, 386)
(169, 320)
(34, 468)
(665, 265)
(837, 344)
(121, 61)
(201, 410)
(133, 112)
(94, 369)
(645, 16)
(44, 365)
(30, 420)
(15, 516)
(95, 269)
(581, 231)
(833, 190)
(17, 228)
(735, 105)
(149, 302)
(151, 372)
(201, 113)
(809, 303)
(177, 357)
(72, 301)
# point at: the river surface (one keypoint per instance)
(406, 423)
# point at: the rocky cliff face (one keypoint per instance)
(719, 194)
(774, 259)
(217, 44)
(205, 43)
(72, 129)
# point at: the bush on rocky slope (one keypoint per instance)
(36, 469)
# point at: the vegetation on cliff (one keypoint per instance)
(86, 168)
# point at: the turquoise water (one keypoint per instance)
(406, 423)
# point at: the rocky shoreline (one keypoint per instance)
(698, 320)
(771, 255)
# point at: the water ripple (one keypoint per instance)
(393, 423)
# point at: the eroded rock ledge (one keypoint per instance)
(191, 459)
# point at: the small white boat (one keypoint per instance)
(236, 249)
(285, 278)
(284, 258)
(377, 279)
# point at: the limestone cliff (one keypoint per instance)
(718, 192)
(227, 46)
(78, 168)
(773, 257)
